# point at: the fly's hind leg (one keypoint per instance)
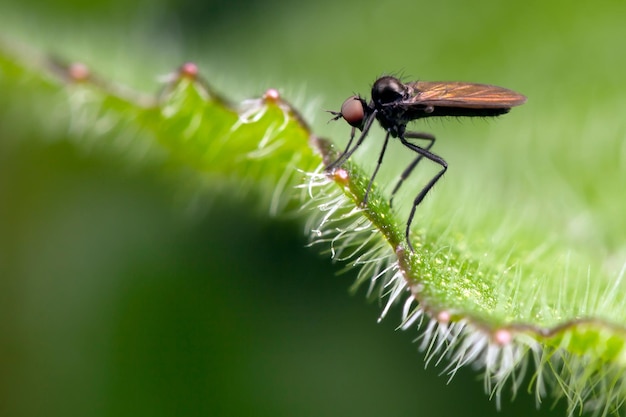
(411, 167)
(423, 153)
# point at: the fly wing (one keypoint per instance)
(463, 95)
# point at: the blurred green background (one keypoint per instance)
(119, 298)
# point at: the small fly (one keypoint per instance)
(394, 104)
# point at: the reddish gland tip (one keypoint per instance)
(189, 69)
(271, 94)
(78, 71)
(443, 316)
(503, 337)
(341, 175)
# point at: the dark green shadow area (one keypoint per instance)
(116, 304)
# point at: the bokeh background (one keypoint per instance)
(119, 299)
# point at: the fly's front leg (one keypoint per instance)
(348, 152)
(380, 160)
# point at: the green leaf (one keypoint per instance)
(488, 287)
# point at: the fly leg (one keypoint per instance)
(348, 152)
(418, 199)
(380, 160)
(411, 167)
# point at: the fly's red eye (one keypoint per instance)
(352, 111)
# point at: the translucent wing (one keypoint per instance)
(463, 95)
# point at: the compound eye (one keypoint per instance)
(352, 111)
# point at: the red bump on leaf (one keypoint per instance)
(271, 95)
(340, 175)
(189, 70)
(78, 72)
(503, 337)
(443, 316)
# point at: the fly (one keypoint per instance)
(394, 104)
